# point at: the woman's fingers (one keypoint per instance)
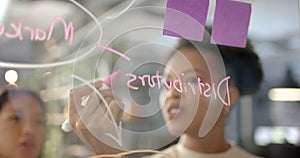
(73, 113)
(115, 110)
(95, 106)
(99, 104)
(92, 121)
(86, 89)
(77, 96)
(107, 95)
(95, 101)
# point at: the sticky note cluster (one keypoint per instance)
(187, 18)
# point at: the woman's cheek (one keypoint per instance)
(162, 99)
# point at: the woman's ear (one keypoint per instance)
(234, 95)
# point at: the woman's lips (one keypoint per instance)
(27, 144)
(174, 111)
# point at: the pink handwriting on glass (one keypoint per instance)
(204, 88)
(37, 34)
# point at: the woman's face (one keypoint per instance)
(184, 112)
(22, 127)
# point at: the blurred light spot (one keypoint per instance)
(284, 94)
(11, 76)
(262, 136)
(3, 7)
(278, 135)
(265, 135)
(293, 135)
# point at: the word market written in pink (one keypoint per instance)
(17, 30)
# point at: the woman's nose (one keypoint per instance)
(28, 128)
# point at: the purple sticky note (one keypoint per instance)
(231, 22)
(186, 19)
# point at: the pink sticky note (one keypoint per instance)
(186, 19)
(231, 22)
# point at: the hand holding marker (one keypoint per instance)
(107, 84)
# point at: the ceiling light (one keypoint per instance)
(284, 94)
(11, 76)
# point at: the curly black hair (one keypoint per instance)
(241, 64)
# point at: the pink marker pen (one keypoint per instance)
(107, 84)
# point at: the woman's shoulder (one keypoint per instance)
(176, 151)
(167, 153)
(239, 152)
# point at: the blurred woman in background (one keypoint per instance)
(22, 124)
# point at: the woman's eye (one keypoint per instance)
(192, 80)
(15, 118)
(167, 83)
